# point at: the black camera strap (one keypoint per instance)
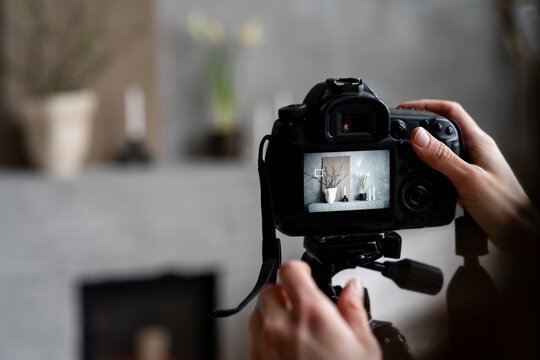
(271, 246)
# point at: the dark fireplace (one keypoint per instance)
(149, 318)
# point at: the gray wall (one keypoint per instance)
(403, 49)
(116, 223)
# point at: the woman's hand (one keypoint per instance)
(487, 187)
(295, 320)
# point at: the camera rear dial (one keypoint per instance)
(417, 195)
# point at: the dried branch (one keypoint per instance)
(330, 179)
(58, 53)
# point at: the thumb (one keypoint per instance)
(351, 306)
(440, 157)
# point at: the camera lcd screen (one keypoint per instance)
(346, 181)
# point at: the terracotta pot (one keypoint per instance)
(58, 129)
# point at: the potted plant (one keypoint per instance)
(362, 178)
(60, 51)
(221, 52)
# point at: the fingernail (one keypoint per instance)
(421, 138)
(357, 287)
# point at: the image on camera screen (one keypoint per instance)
(346, 181)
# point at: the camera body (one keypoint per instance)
(342, 163)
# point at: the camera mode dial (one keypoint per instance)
(417, 195)
(293, 113)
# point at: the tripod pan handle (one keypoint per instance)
(413, 275)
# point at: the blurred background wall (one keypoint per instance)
(404, 50)
(189, 212)
(106, 46)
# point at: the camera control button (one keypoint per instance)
(449, 130)
(424, 123)
(437, 126)
(399, 129)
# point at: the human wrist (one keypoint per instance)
(520, 235)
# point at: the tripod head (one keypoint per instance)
(329, 255)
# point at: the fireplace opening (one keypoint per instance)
(149, 318)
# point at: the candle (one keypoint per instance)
(344, 191)
(135, 113)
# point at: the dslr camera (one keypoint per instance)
(342, 163)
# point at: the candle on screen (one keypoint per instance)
(135, 113)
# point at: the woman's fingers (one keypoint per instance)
(351, 306)
(441, 158)
(297, 282)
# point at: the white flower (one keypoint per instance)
(200, 26)
(214, 32)
(197, 23)
(250, 34)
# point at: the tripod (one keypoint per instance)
(473, 302)
(329, 255)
